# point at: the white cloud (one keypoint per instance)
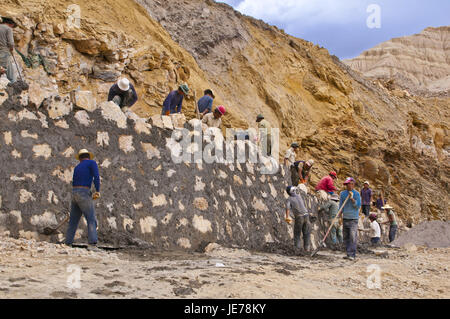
(304, 12)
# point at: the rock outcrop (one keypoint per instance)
(419, 63)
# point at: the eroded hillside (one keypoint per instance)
(344, 121)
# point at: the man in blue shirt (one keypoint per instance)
(205, 103)
(174, 101)
(84, 174)
(350, 214)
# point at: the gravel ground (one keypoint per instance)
(30, 269)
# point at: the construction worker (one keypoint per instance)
(326, 184)
(302, 223)
(291, 155)
(375, 230)
(174, 101)
(331, 208)
(7, 48)
(366, 196)
(265, 135)
(205, 103)
(214, 119)
(123, 94)
(301, 171)
(392, 221)
(350, 214)
(380, 203)
(84, 174)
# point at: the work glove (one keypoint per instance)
(351, 195)
(288, 220)
(96, 196)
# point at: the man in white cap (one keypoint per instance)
(84, 174)
(366, 197)
(331, 208)
(123, 94)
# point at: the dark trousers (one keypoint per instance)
(366, 210)
(295, 178)
(302, 225)
(82, 205)
(350, 230)
(392, 232)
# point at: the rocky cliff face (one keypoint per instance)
(344, 121)
(419, 63)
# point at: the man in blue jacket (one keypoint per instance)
(84, 174)
(205, 103)
(174, 101)
(350, 214)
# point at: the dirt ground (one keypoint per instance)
(30, 269)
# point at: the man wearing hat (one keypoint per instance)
(350, 214)
(291, 154)
(366, 196)
(375, 230)
(214, 119)
(7, 47)
(392, 221)
(302, 224)
(205, 103)
(301, 171)
(174, 101)
(331, 208)
(123, 94)
(265, 135)
(326, 184)
(84, 174)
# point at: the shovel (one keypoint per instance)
(50, 230)
(329, 229)
(17, 67)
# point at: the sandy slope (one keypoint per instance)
(40, 270)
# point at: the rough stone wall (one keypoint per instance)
(146, 197)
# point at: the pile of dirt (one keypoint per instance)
(434, 234)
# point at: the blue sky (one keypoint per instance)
(341, 25)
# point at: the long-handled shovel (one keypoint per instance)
(17, 67)
(51, 230)
(329, 229)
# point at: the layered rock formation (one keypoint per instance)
(344, 121)
(419, 63)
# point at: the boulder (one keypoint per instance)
(111, 111)
(157, 121)
(84, 100)
(178, 120)
(57, 106)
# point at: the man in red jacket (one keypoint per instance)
(326, 184)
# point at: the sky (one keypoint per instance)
(348, 27)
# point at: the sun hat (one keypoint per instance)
(84, 151)
(123, 84)
(184, 88)
(221, 109)
(349, 180)
(366, 182)
(310, 162)
(387, 206)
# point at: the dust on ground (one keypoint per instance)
(30, 269)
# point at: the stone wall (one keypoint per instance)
(146, 197)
